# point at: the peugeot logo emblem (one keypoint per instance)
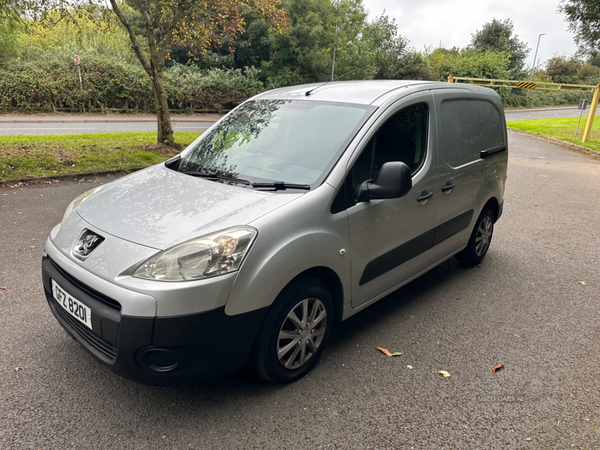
(86, 244)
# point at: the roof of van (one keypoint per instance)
(361, 92)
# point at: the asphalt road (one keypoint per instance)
(13, 125)
(546, 113)
(532, 305)
(38, 125)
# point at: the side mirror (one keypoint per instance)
(394, 181)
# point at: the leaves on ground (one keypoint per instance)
(498, 367)
(387, 352)
(384, 351)
(444, 373)
(582, 283)
(3, 287)
(51, 155)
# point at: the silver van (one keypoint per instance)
(295, 211)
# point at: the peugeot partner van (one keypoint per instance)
(297, 210)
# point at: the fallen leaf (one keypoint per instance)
(498, 367)
(384, 351)
(527, 439)
(444, 373)
(410, 367)
(32, 246)
(272, 418)
(479, 265)
(17, 369)
(396, 354)
(583, 283)
(3, 287)
(415, 342)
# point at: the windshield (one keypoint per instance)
(277, 141)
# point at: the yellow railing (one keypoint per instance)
(540, 86)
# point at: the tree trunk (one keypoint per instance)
(165, 130)
(155, 69)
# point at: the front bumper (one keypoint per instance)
(155, 350)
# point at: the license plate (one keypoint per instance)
(71, 305)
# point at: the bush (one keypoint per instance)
(45, 81)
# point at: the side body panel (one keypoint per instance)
(299, 236)
(463, 189)
(390, 239)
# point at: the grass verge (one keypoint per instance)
(562, 129)
(54, 155)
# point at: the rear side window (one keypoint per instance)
(468, 127)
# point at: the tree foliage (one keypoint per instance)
(154, 26)
(364, 49)
(497, 36)
(584, 20)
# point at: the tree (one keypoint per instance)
(584, 20)
(155, 26)
(201, 23)
(497, 36)
(564, 70)
(364, 49)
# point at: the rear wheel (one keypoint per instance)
(480, 239)
(294, 332)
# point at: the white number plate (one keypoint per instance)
(71, 305)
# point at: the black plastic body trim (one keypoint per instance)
(452, 227)
(205, 346)
(492, 151)
(413, 248)
(397, 257)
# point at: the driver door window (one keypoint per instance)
(401, 138)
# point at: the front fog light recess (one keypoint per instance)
(207, 256)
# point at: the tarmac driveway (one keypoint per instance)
(533, 306)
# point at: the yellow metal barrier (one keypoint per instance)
(541, 86)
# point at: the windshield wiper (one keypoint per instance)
(215, 176)
(277, 185)
(280, 185)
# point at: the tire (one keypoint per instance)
(480, 239)
(288, 345)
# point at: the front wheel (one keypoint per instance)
(480, 239)
(294, 332)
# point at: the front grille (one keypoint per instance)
(88, 290)
(102, 345)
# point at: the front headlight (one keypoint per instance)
(75, 203)
(206, 256)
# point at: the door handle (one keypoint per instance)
(425, 196)
(448, 187)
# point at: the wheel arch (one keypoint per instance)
(493, 204)
(332, 282)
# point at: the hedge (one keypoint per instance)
(51, 83)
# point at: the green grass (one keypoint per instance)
(562, 129)
(53, 155)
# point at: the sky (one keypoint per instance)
(452, 22)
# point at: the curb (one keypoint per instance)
(209, 118)
(69, 176)
(569, 145)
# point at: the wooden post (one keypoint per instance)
(450, 78)
(590, 120)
